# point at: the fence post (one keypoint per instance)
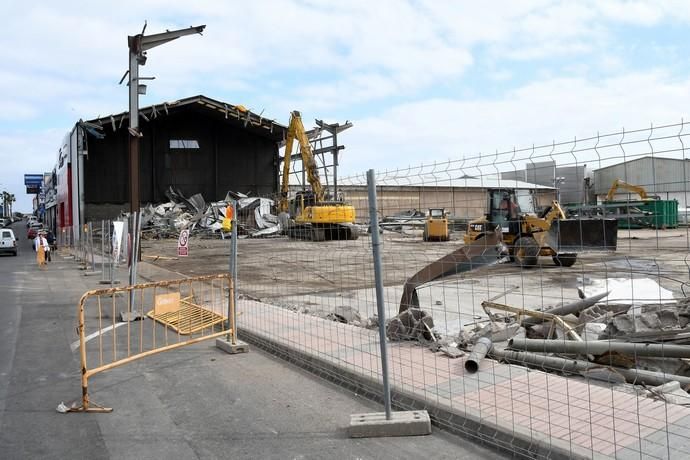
(230, 344)
(376, 248)
(132, 314)
(232, 315)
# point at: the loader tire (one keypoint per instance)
(526, 252)
(565, 260)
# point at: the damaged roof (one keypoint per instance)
(236, 115)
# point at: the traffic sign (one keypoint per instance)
(183, 243)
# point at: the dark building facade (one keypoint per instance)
(195, 145)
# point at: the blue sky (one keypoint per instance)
(421, 80)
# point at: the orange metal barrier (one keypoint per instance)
(182, 312)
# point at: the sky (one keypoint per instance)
(421, 80)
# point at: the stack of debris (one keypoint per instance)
(647, 345)
(206, 219)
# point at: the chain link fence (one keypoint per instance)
(535, 298)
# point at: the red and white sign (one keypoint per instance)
(183, 243)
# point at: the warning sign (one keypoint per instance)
(183, 243)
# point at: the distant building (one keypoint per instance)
(464, 198)
(573, 181)
(668, 178)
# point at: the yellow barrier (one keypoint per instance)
(183, 312)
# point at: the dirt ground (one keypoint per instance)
(324, 276)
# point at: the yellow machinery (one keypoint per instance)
(311, 216)
(528, 236)
(629, 187)
(436, 225)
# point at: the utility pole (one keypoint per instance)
(138, 46)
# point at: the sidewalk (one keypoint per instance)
(526, 411)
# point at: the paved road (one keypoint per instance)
(196, 402)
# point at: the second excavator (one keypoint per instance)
(310, 215)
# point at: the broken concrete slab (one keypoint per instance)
(375, 424)
(452, 352)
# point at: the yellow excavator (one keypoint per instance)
(528, 236)
(638, 189)
(309, 215)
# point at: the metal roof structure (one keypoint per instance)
(237, 115)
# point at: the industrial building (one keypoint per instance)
(195, 145)
(667, 178)
(573, 181)
(463, 198)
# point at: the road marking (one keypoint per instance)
(75, 345)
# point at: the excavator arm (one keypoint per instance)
(625, 186)
(296, 131)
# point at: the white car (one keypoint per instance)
(8, 243)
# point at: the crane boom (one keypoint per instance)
(296, 131)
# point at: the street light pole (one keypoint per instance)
(138, 45)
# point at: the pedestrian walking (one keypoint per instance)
(40, 251)
(46, 247)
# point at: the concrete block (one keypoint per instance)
(92, 272)
(405, 423)
(228, 347)
(128, 316)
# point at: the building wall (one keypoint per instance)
(228, 158)
(669, 178)
(572, 188)
(467, 203)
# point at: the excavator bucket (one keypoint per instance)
(486, 250)
(578, 235)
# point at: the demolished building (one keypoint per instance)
(195, 145)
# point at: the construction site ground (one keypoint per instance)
(529, 411)
(320, 277)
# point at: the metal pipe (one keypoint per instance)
(378, 273)
(599, 347)
(554, 363)
(479, 351)
(567, 309)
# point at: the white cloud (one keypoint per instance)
(540, 112)
(27, 152)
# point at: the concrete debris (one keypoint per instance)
(452, 352)
(633, 343)
(670, 392)
(411, 324)
(206, 219)
(345, 314)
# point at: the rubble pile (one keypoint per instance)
(647, 345)
(206, 219)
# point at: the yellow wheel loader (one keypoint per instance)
(436, 225)
(529, 236)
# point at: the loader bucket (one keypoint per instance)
(580, 235)
(486, 250)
